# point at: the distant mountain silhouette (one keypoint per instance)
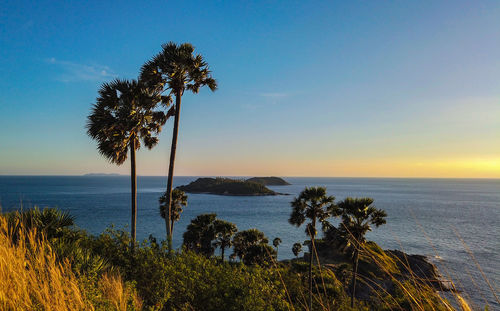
(102, 174)
(269, 181)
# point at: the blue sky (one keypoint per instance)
(373, 88)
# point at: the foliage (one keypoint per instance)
(179, 201)
(358, 216)
(276, 242)
(312, 203)
(269, 181)
(49, 222)
(296, 249)
(104, 273)
(123, 116)
(224, 231)
(200, 233)
(205, 233)
(252, 247)
(176, 68)
(186, 281)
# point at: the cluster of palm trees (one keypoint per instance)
(206, 232)
(130, 112)
(358, 215)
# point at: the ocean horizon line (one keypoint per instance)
(247, 176)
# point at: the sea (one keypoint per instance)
(455, 222)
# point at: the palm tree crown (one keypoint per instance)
(296, 249)
(224, 231)
(312, 203)
(122, 115)
(176, 68)
(358, 215)
(276, 242)
(179, 201)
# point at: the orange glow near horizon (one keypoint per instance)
(460, 168)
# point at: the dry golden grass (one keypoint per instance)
(113, 289)
(32, 279)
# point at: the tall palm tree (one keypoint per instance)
(123, 117)
(174, 70)
(314, 204)
(358, 215)
(179, 201)
(224, 231)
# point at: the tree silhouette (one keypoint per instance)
(179, 201)
(252, 247)
(200, 233)
(296, 249)
(123, 117)
(224, 231)
(358, 215)
(314, 204)
(174, 70)
(276, 243)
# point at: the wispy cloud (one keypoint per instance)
(73, 72)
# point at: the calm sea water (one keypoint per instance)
(423, 215)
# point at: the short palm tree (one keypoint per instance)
(296, 249)
(179, 201)
(174, 70)
(276, 243)
(358, 215)
(200, 233)
(314, 204)
(252, 247)
(121, 119)
(224, 231)
(47, 222)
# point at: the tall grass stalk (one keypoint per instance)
(32, 278)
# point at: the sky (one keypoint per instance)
(306, 88)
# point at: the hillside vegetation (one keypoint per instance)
(269, 181)
(47, 264)
(226, 186)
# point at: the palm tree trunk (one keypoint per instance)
(171, 168)
(311, 251)
(222, 254)
(310, 275)
(133, 184)
(354, 274)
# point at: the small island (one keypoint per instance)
(227, 186)
(102, 175)
(269, 181)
